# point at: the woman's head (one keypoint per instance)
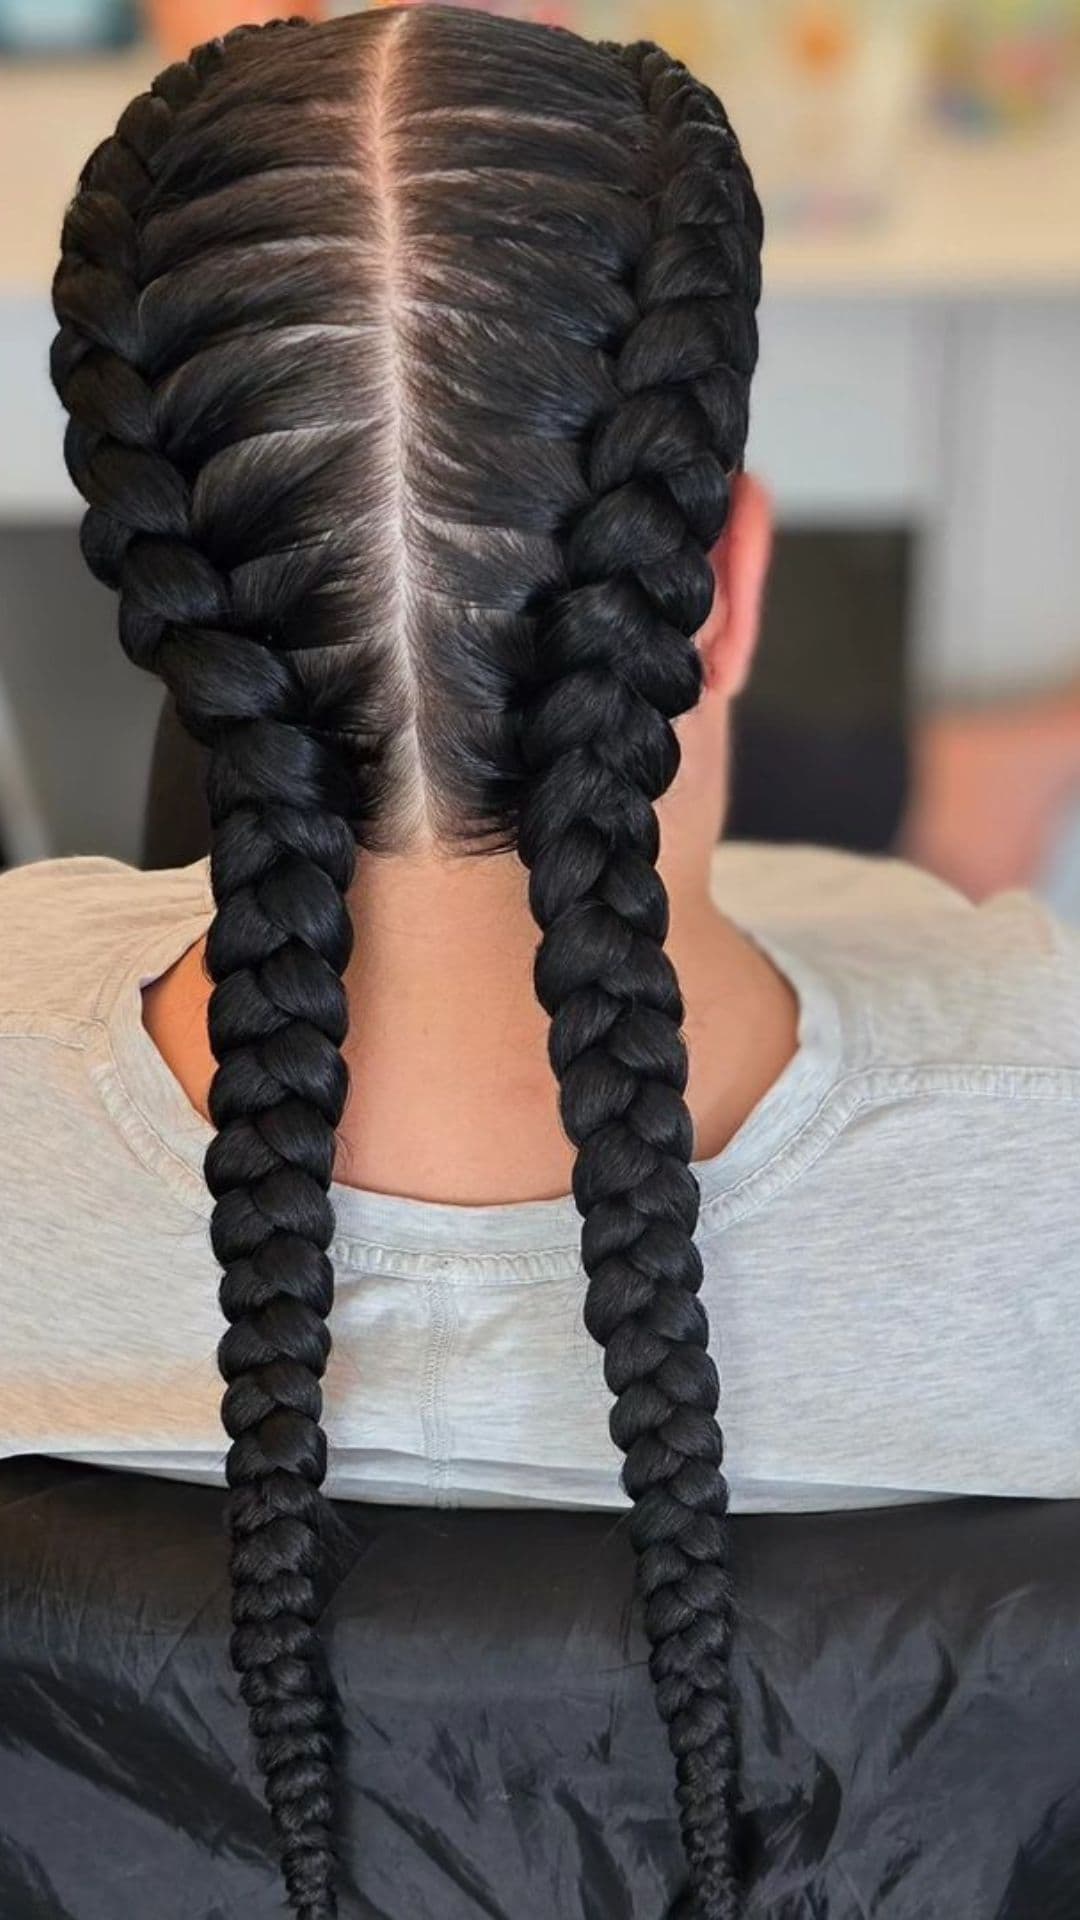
(408, 364)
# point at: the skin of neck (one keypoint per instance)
(452, 1097)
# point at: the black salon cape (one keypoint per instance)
(909, 1684)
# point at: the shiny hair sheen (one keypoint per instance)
(407, 361)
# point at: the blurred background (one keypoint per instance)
(917, 418)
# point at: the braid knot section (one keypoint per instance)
(616, 664)
(277, 949)
(202, 605)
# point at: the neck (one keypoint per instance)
(452, 1097)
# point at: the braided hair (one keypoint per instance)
(407, 361)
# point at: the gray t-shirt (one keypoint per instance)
(891, 1242)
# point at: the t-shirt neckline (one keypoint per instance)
(174, 1136)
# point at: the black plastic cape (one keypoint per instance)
(909, 1682)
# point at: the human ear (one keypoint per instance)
(740, 559)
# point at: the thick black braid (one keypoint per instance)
(619, 663)
(228, 428)
(282, 860)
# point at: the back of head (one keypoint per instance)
(408, 362)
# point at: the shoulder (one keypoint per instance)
(924, 981)
(808, 884)
(70, 929)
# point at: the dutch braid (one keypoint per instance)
(441, 558)
(620, 656)
(282, 861)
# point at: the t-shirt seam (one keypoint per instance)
(161, 1157)
(435, 1416)
(853, 1092)
(847, 1097)
(819, 1132)
(348, 1246)
(114, 1094)
(73, 1031)
(117, 979)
